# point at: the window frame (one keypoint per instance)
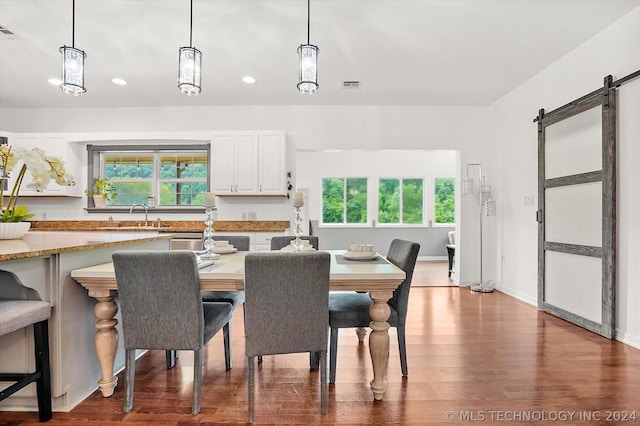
(367, 224)
(373, 186)
(432, 207)
(401, 224)
(95, 168)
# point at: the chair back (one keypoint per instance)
(12, 288)
(282, 241)
(159, 293)
(286, 302)
(241, 242)
(403, 254)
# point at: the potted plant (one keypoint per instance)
(102, 191)
(42, 168)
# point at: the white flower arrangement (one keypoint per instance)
(42, 168)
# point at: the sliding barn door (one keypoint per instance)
(576, 193)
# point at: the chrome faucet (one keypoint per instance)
(146, 213)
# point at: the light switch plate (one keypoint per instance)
(528, 200)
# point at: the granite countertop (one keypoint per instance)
(166, 226)
(37, 243)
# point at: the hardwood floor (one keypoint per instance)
(471, 356)
(431, 273)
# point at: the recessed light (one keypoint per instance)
(248, 79)
(55, 81)
(119, 81)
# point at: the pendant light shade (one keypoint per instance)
(308, 76)
(308, 58)
(190, 65)
(72, 71)
(189, 74)
(73, 63)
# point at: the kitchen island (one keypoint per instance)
(43, 261)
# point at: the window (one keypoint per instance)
(344, 200)
(400, 201)
(444, 200)
(172, 175)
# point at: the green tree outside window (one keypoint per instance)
(344, 200)
(396, 205)
(445, 200)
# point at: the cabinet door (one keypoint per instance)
(272, 164)
(246, 163)
(222, 169)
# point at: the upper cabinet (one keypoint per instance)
(249, 164)
(53, 145)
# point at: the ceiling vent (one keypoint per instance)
(351, 84)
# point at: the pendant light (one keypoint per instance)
(308, 57)
(73, 63)
(190, 65)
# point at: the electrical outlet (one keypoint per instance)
(244, 216)
(252, 215)
(528, 200)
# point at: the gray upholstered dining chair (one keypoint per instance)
(286, 309)
(349, 309)
(282, 241)
(236, 298)
(162, 308)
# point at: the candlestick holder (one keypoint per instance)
(297, 243)
(208, 235)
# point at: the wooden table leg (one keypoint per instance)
(106, 342)
(379, 341)
(361, 333)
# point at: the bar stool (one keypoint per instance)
(14, 315)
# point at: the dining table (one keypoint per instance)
(376, 276)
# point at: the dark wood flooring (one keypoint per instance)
(472, 358)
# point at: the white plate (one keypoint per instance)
(225, 250)
(360, 255)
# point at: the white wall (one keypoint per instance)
(613, 51)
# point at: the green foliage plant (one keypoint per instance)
(102, 187)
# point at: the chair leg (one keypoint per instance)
(402, 345)
(324, 385)
(251, 372)
(43, 384)
(333, 354)
(226, 332)
(172, 356)
(129, 379)
(314, 359)
(197, 380)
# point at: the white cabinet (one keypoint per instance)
(56, 146)
(248, 164)
(272, 165)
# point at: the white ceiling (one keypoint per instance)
(404, 52)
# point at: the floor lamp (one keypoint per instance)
(487, 208)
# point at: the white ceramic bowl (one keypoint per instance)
(13, 230)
